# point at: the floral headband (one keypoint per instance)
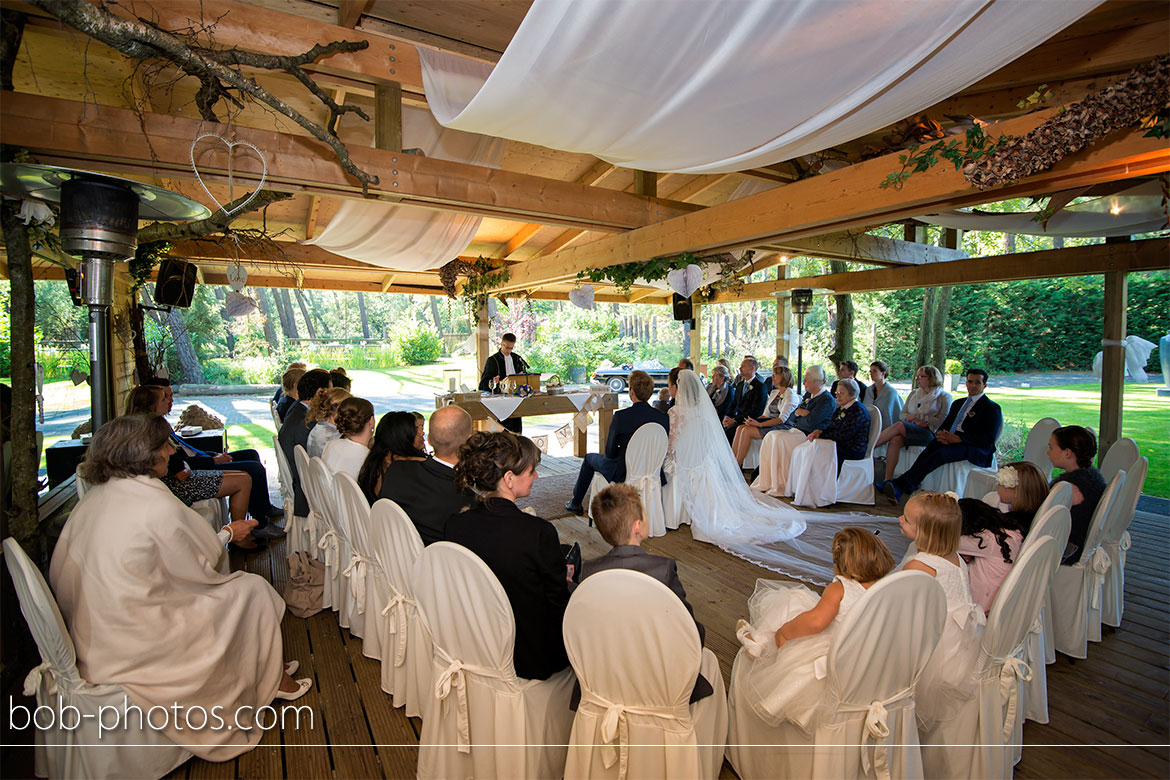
(1008, 477)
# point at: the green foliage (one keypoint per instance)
(576, 338)
(954, 367)
(1158, 126)
(977, 144)
(146, 259)
(256, 370)
(5, 329)
(419, 346)
(625, 275)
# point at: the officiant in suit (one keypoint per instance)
(612, 464)
(749, 398)
(968, 433)
(504, 363)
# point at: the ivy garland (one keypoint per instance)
(146, 259)
(976, 145)
(482, 278)
(624, 276)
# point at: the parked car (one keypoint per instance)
(616, 376)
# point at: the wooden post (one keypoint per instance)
(695, 340)
(1112, 360)
(388, 117)
(482, 347)
(646, 183)
(783, 319)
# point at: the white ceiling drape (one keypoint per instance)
(409, 238)
(714, 86)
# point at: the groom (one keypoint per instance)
(612, 464)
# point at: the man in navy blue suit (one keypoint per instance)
(749, 397)
(612, 465)
(968, 433)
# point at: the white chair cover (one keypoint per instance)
(332, 545)
(1115, 540)
(868, 727)
(330, 509)
(297, 538)
(1055, 522)
(313, 527)
(486, 721)
(1076, 589)
(1035, 452)
(644, 457)
(776, 461)
(87, 750)
(636, 653)
(406, 641)
(813, 477)
(979, 741)
(752, 459)
(855, 482)
(1059, 495)
(367, 582)
(948, 477)
(1121, 456)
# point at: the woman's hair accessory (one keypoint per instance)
(1008, 477)
(952, 494)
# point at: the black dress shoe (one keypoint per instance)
(269, 531)
(576, 509)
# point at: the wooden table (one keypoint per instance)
(543, 404)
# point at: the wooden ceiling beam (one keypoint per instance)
(1130, 256)
(864, 248)
(349, 12)
(120, 141)
(844, 199)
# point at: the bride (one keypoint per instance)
(706, 483)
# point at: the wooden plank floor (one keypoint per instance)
(1111, 709)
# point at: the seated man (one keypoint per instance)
(622, 522)
(749, 398)
(968, 433)
(425, 489)
(612, 465)
(294, 430)
(848, 370)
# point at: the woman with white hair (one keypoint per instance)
(814, 413)
(720, 390)
(812, 477)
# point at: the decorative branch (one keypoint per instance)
(216, 223)
(1144, 92)
(216, 69)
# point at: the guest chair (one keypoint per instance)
(367, 582)
(1054, 522)
(406, 641)
(979, 742)
(332, 546)
(485, 721)
(275, 415)
(295, 527)
(1076, 589)
(644, 457)
(129, 751)
(813, 477)
(980, 483)
(869, 727)
(1121, 456)
(313, 527)
(1059, 495)
(1115, 540)
(636, 653)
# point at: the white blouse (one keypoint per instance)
(932, 406)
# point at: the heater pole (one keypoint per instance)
(100, 386)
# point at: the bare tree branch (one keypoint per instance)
(216, 223)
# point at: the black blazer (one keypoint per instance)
(860, 388)
(723, 409)
(625, 423)
(495, 366)
(425, 489)
(849, 428)
(294, 431)
(525, 555)
(980, 429)
(749, 401)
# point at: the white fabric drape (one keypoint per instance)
(410, 238)
(713, 86)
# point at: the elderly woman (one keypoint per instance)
(522, 550)
(355, 424)
(323, 411)
(780, 404)
(882, 394)
(925, 409)
(135, 574)
(813, 413)
(720, 391)
(812, 479)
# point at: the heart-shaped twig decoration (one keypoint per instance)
(685, 281)
(231, 147)
(582, 297)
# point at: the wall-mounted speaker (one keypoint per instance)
(682, 308)
(175, 285)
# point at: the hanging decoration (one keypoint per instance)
(564, 435)
(232, 146)
(582, 297)
(237, 305)
(237, 276)
(541, 443)
(685, 281)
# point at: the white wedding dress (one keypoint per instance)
(724, 511)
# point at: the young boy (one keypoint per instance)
(617, 511)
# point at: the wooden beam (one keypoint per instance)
(112, 139)
(783, 318)
(1148, 255)
(349, 12)
(646, 183)
(864, 248)
(388, 282)
(482, 346)
(284, 252)
(695, 336)
(388, 117)
(311, 220)
(518, 239)
(1113, 359)
(696, 186)
(844, 199)
(641, 295)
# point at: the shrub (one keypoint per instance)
(419, 346)
(257, 370)
(954, 367)
(1010, 446)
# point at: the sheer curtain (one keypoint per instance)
(713, 86)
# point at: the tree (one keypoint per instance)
(288, 322)
(263, 301)
(843, 342)
(305, 312)
(361, 297)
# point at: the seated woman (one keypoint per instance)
(780, 404)
(522, 550)
(395, 438)
(990, 545)
(135, 574)
(288, 389)
(355, 424)
(925, 409)
(323, 410)
(1020, 489)
(813, 413)
(190, 485)
(882, 394)
(720, 391)
(1072, 448)
(811, 478)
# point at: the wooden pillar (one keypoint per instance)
(1112, 360)
(388, 117)
(783, 319)
(646, 183)
(695, 337)
(482, 347)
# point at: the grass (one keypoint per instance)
(250, 436)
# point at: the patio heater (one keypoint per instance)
(801, 305)
(99, 226)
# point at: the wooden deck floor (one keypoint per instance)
(1112, 708)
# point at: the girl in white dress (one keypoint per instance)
(935, 523)
(788, 639)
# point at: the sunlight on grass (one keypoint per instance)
(250, 436)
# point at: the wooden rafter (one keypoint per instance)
(349, 12)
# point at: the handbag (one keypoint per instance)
(306, 585)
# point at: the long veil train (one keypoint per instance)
(726, 512)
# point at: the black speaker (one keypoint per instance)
(682, 308)
(175, 285)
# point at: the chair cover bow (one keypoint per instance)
(615, 725)
(313, 529)
(1013, 667)
(877, 730)
(1123, 544)
(397, 623)
(453, 677)
(1100, 562)
(356, 572)
(41, 673)
(330, 544)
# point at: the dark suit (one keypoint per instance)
(294, 431)
(849, 428)
(723, 408)
(247, 461)
(749, 402)
(820, 412)
(980, 431)
(496, 366)
(425, 489)
(612, 464)
(285, 403)
(525, 555)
